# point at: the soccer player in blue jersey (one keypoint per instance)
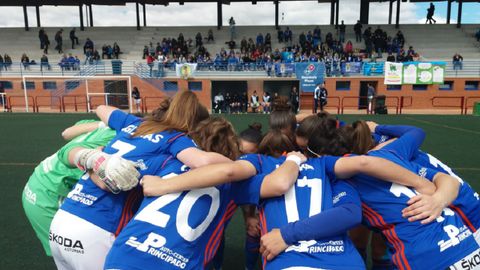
(99, 206)
(181, 230)
(444, 243)
(311, 194)
(467, 204)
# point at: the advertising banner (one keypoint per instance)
(309, 74)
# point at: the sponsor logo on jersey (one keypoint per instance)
(313, 247)
(154, 246)
(456, 235)
(470, 262)
(77, 195)
(340, 195)
(68, 244)
(422, 172)
(30, 196)
(305, 167)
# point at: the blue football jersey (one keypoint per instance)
(174, 231)
(311, 194)
(106, 209)
(414, 246)
(467, 204)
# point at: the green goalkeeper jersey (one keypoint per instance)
(55, 174)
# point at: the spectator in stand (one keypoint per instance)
(8, 61)
(59, 41)
(41, 37)
(316, 97)
(477, 35)
(244, 45)
(288, 35)
(390, 57)
(210, 36)
(430, 13)
(44, 63)
(244, 102)
(64, 63)
(231, 23)
(457, 61)
(116, 50)
(77, 63)
(411, 54)
(145, 52)
(227, 103)
(260, 40)
(341, 29)
(302, 39)
(71, 61)
(323, 96)
(136, 98)
(198, 40)
(254, 104)
(317, 36)
(348, 47)
(88, 46)
(150, 60)
(25, 61)
(401, 39)
(280, 35)
(231, 44)
(357, 28)
(2, 63)
(46, 43)
(73, 38)
(268, 42)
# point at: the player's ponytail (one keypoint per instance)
(183, 113)
(362, 141)
(275, 143)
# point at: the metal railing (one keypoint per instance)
(467, 68)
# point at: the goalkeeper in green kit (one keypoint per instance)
(54, 177)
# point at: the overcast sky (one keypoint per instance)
(302, 12)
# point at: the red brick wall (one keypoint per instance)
(154, 92)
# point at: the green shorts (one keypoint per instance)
(40, 206)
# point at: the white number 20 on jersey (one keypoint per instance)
(154, 216)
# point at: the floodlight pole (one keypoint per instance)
(25, 16)
(80, 11)
(332, 12)
(397, 19)
(37, 10)
(219, 14)
(276, 14)
(91, 14)
(459, 16)
(137, 12)
(390, 9)
(449, 11)
(144, 15)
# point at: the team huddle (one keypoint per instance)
(158, 192)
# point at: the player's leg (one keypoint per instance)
(381, 257)
(252, 245)
(40, 207)
(360, 236)
(78, 244)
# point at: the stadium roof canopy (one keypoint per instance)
(364, 7)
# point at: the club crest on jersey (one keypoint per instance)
(68, 244)
(305, 167)
(154, 245)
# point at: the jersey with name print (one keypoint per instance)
(105, 209)
(467, 203)
(436, 245)
(174, 231)
(310, 195)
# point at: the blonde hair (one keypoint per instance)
(183, 113)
